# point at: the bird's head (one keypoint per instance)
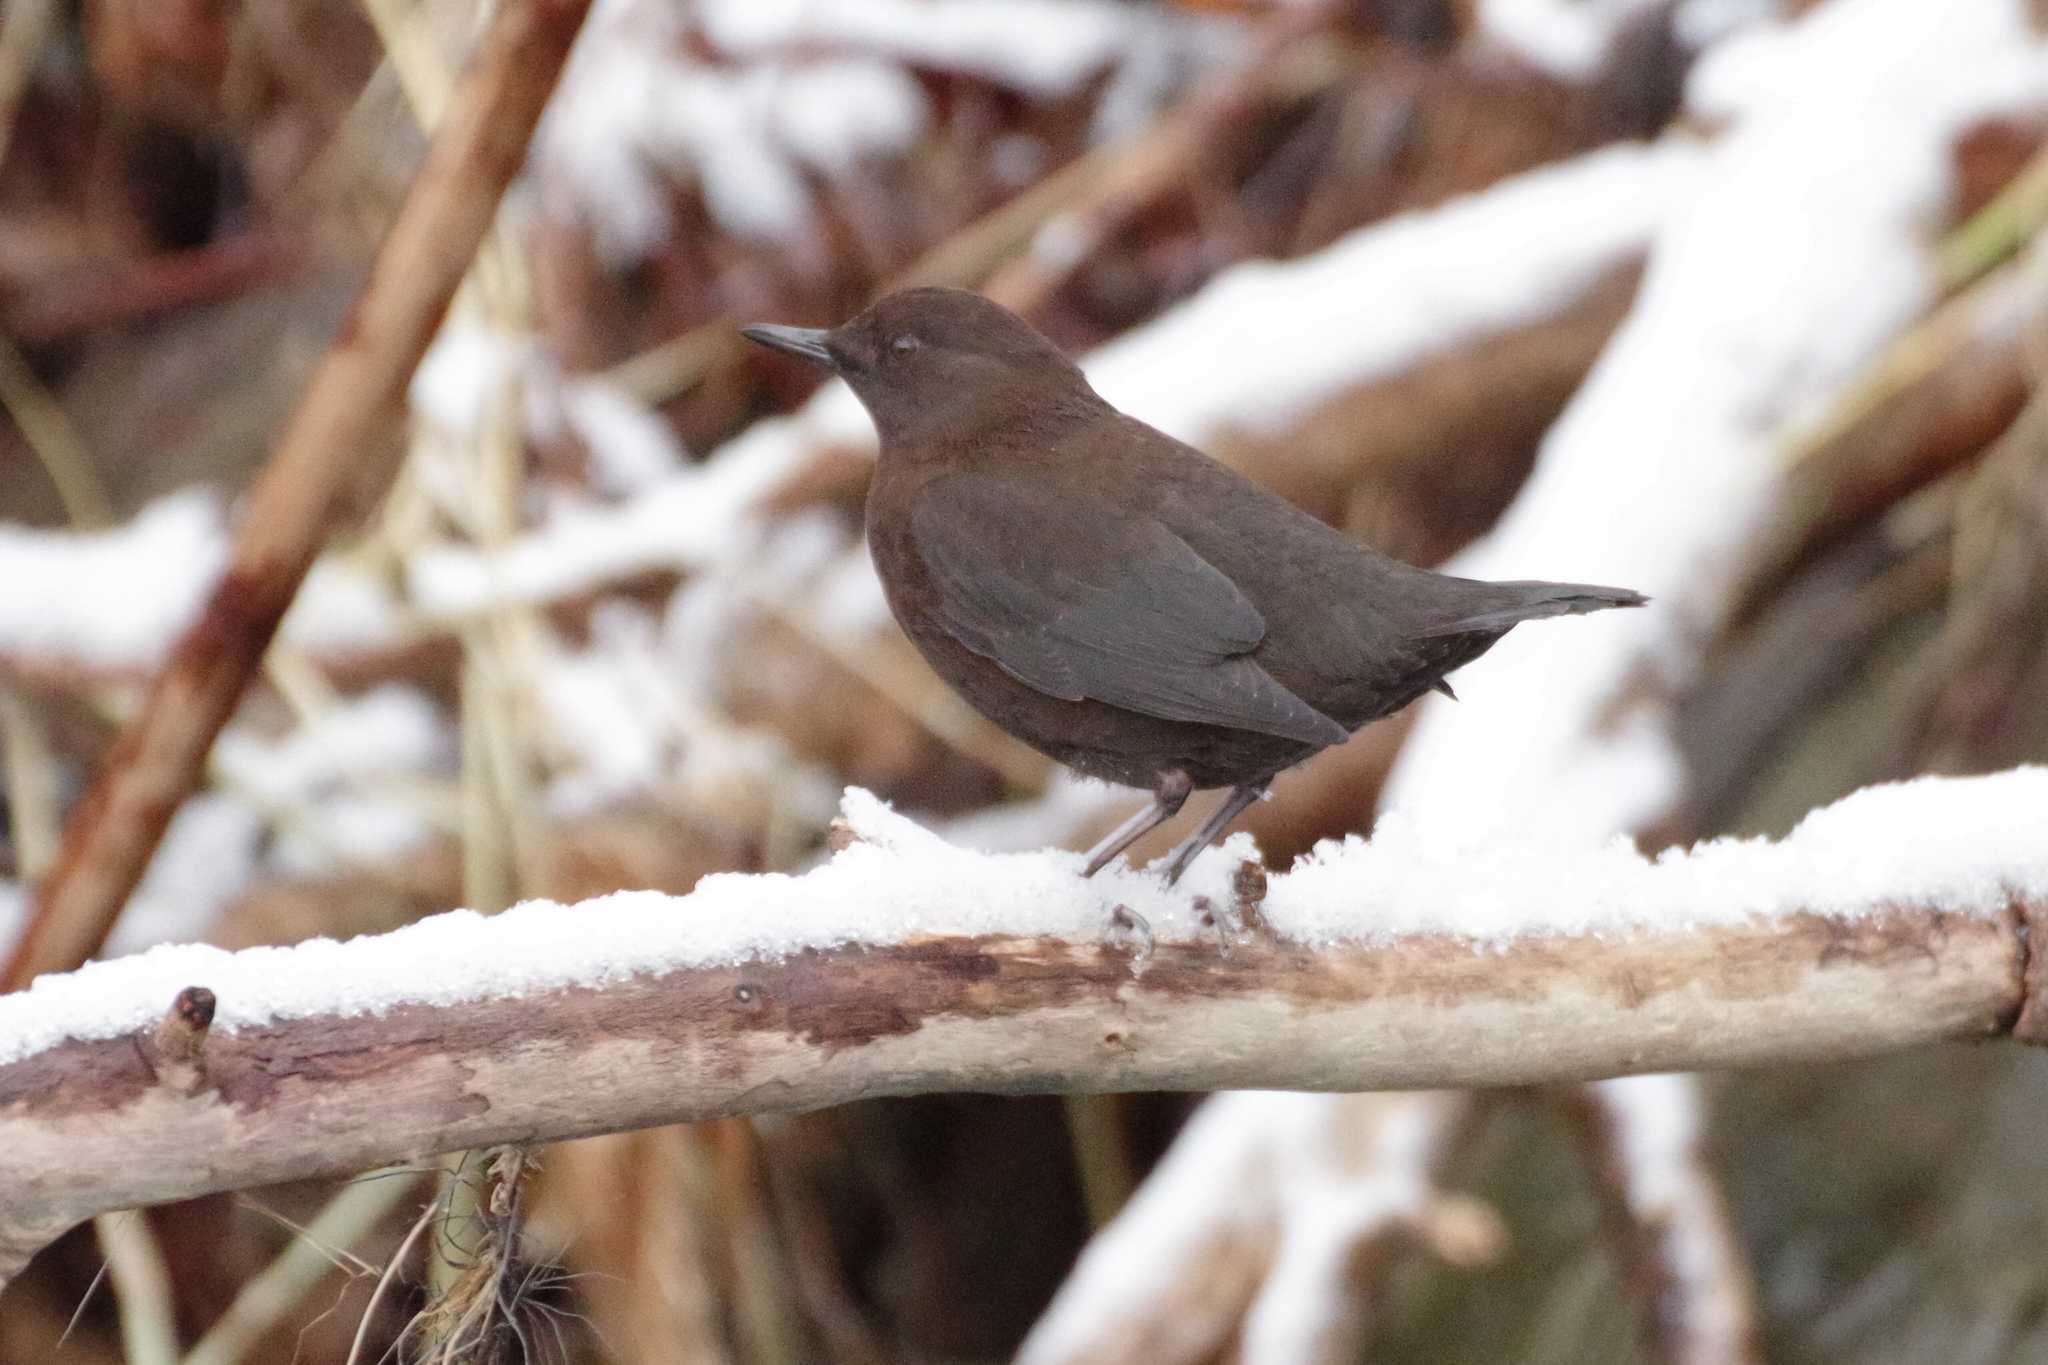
(936, 360)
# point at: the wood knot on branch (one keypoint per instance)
(177, 1050)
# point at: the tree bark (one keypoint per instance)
(91, 1126)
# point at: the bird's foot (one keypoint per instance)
(1212, 828)
(1168, 796)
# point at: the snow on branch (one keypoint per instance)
(906, 965)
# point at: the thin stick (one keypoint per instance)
(328, 457)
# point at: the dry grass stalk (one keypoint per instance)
(269, 1298)
(328, 458)
(142, 1287)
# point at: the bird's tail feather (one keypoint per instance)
(1513, 603)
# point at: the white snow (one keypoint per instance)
(1794, 255)
(125, 591)
(636, 111)
(463, 377)
(820, 89)
(1961, 845)
(1224, 1156)
(1041, 47)
(128, 591)
(1965, 845)
(834, 115)
(627, 714)
(1571, 39)
(1659, 1132)
(686, 521)
(1567, 38)
(1332, 1210)
(631, 449)
(1298, 1163)
(1387, 295)
(1950, 844)
(341, 608)
(389, 729)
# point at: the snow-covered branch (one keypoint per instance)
(1896, 917)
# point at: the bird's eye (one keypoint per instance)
(905, 344)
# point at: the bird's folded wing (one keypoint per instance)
(1080, 600)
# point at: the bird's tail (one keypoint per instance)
(1511, 603)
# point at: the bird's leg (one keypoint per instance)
(1168, 797)
(1212, 828)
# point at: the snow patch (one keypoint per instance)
(126, 591)
(1386, 295)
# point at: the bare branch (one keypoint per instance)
(332, 1058)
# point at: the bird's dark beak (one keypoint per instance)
(806, 342)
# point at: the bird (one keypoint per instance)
(1116, 599)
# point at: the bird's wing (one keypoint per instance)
(1079, 600)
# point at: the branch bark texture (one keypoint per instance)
(89, 1126)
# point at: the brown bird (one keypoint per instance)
(1119, 600)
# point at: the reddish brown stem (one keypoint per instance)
(329, 458)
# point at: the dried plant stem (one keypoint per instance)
(53, 438)
(32, 815)
(1999, 229)
(267, 1299)
(1100, 1155)
(328, 458)
(391, 1269)
(142, 1288)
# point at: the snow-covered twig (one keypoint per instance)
(905, 965)
(1662, 1202)
(1314, 1199)
(328, 456)
(1942, 392)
